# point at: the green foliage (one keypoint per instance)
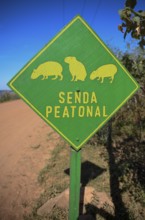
(128, 140)
(133, 22)
(7, 96)
(130, 3)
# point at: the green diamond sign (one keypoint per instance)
(75, 83)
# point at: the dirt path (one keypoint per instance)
(25, 146)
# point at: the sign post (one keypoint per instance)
(75, 174)
(75, 84)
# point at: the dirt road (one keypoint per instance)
(25, 147)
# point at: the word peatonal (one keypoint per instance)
(76, 104)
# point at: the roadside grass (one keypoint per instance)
(55, 179)
(53, 171)
(118, 171)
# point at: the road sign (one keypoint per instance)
(75, 83)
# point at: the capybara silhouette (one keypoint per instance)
(76, 68)
(105, 71)
(46, 69)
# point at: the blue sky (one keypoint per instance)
(27, 25)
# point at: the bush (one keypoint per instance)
(8, 96)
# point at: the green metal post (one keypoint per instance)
(75, 174)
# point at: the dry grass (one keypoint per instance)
(101, 170)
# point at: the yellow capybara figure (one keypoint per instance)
(46, 69)
(76, 68)
(105, 71)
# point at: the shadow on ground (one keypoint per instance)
(89, 171)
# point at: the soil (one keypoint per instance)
(26, 142)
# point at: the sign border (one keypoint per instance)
(10, 83)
